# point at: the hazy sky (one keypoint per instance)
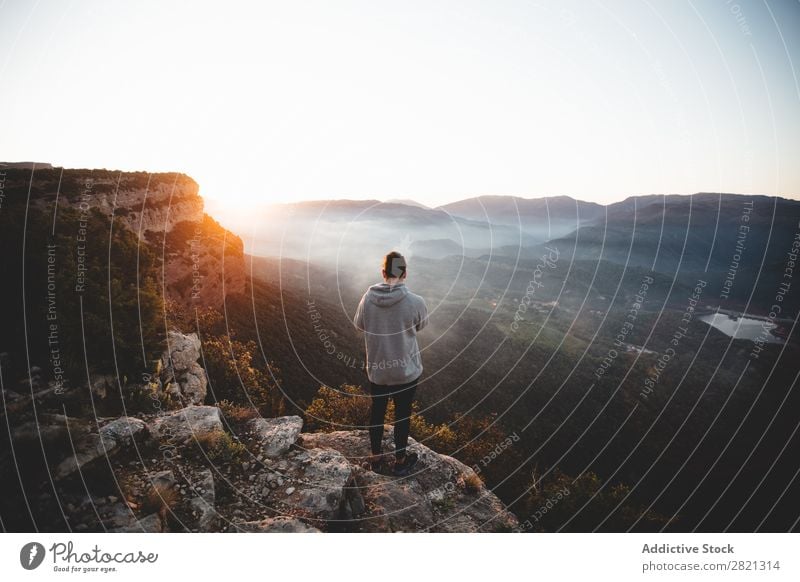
(279, 101)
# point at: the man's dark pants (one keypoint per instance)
(403, 396)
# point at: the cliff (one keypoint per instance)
(200, 261)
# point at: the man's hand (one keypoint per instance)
(422, 316)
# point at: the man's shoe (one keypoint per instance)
(404, 468)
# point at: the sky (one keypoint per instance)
(430, 100)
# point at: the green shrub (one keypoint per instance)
(221, 447)
(235, 375)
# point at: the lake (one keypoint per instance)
(748, 328)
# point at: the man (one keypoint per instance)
(390, 316)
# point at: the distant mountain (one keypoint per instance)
(354, 230)
(695, 231)
(543, 218)
(683, 237)
(407, 202)
(710, 236)
(437, 248)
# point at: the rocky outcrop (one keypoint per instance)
(188, 424)
(442, 494)
(269, 477)
(140, 201)
(182, 377)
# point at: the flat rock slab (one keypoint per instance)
(392, 505)
(111, 437)
(187, 424)
(314, 484)
(274, 436)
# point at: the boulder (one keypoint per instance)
(124, 430)
(162, 480)
(274, 436)
(193, 384)
(111, 437)
(281, 524)
(181, 374)
(187, 424)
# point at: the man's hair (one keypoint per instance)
(394, 264)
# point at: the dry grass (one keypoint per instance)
(472, 483)
(160, 499)
(219, 446)
(236, 414)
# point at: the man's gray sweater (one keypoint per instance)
(390, 317)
